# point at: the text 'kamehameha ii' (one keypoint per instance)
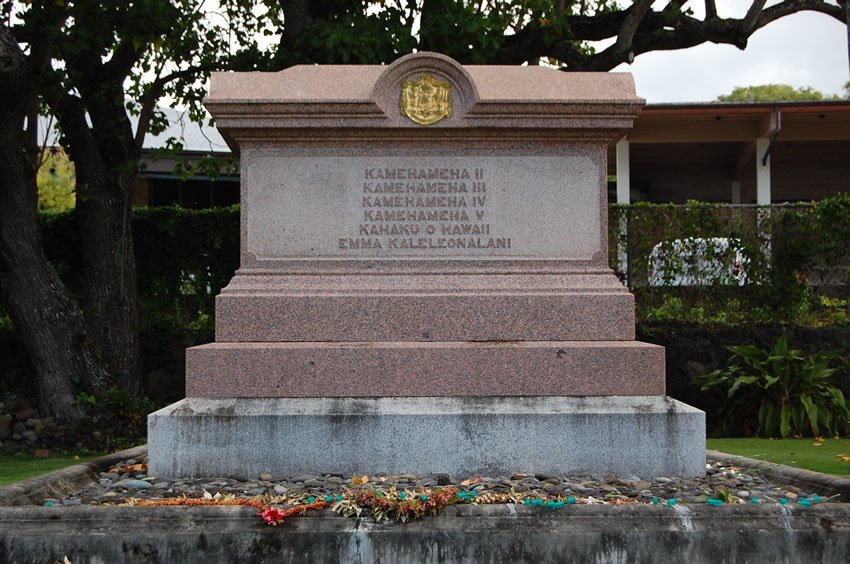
(424, 173)
(422, 209)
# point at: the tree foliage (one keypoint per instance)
(513, 32)
(774, 93)
(56, 182)
(93, 65)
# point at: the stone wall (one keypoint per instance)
(488, 533)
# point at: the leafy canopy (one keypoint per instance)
(56, 182)
(774, 93)
(564, 33)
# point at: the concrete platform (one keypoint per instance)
(369, 369)
(241, 437)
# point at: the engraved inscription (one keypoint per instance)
(422, 209)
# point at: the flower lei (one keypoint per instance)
(408, 505)
(269, 513)
(402, 506)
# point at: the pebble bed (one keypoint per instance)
(129, 481)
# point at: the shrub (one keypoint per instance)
(780, 392)
(790, 263)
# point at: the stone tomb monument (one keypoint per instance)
(424, 284)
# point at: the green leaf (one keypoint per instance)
(785, 421)
(812, 413)
(771, 420)
(798, 418)
(762, 416)
(825, 418)
(741, 381)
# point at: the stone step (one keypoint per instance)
(425, 317)
(594, 436)
(490, 368)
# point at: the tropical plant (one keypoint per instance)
(781, 391)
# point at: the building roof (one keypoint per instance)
(196, 137)
(657, 123)
(742, 121)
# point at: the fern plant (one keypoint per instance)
(780, 392)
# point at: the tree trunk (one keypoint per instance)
(432, 25)
(109, 274)
(105, 160)
(43, 312)
(296, 21)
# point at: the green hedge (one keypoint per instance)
(183, 257)
(797, 272)
(798, 269)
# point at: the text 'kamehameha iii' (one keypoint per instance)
(425, 208)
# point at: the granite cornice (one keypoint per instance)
(486, 134)
(262, 281)
(367, 97)
(503, 115)
(344, 84)
(256, 108)
(602, 109)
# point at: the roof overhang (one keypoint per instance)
(693, 123)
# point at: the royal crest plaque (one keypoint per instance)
(426, 100)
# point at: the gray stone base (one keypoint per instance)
(241, 437)
(763, 533)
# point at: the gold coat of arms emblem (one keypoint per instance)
(426, 100)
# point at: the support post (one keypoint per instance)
(623, 197)
(763, 196)
(623, 177)
(736, 193)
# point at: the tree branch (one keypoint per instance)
(666, 30)
(787, 8)
(296, 19)
(752, 15)
(121, 63)
(16, 98)
(152, 96)
(71, 113)
(627, 30)
(13, 62)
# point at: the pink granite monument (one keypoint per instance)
(424, 266)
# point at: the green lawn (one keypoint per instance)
(801, 453)
(17, 467)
